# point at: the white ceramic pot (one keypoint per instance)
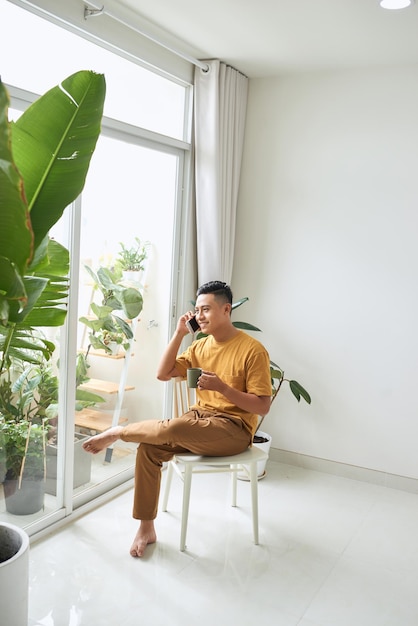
(114, 347)
(261, 465)
(14, 575)
(132, 278)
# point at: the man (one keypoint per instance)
(233, 390)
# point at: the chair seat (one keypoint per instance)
(253, 454)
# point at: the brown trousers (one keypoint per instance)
(200, 432)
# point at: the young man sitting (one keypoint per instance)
(233, 391)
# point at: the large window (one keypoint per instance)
(134, 94)
(133, 190)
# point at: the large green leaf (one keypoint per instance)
(53, 142)
(15, 227)
(12, 288)
(299, 392)
(246, 326)
(235, 305)
(47, 290)
(50, 307)
(44, 161)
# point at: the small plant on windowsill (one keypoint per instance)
(109, 340)
(132, 259)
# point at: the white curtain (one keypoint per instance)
(220, 108)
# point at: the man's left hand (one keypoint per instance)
(209, 381)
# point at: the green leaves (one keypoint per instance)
(238, 303)
(276, 372)
(118, 301)
(52, 144)
(132, 259)
(245, 326)
(44, 160)
(115, 295)
(299, 392)
(15, 228)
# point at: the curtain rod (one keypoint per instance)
(88, 12)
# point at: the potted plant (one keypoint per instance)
(111, 320)
(23, 432)
(276, 372)
(48, 398)
(131, 261)
(29, 409)
(14, 574)
(110, 341)
(262, 439)
(44, 159)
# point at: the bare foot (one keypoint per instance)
(103, 440)
(144, 536)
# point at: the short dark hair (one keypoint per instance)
(220, 290)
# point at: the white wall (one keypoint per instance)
(326, 251)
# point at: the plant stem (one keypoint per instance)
(272, 399)
(22, 466)
(6, 347)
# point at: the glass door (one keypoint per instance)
(132, 190)
(129, 201)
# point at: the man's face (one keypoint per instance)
(211, 314)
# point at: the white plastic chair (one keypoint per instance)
(187, 464)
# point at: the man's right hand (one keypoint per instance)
(167, 366)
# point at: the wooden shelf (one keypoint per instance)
(103, 386)
(102, 353)
(95, 420)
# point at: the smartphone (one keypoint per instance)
(192, 325)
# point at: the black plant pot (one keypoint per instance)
(26, 500)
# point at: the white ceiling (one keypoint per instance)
(272, 37)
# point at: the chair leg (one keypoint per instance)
(254, 499)
(234, 478)
(187, 484)
(167, 485)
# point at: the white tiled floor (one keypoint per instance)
(333, 552)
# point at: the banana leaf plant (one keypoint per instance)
(44, 160)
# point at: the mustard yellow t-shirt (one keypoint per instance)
(241, 362)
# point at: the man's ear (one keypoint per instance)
(228, 308)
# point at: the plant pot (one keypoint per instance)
(26, 500)
(261, 440)
(132, 278)
(114, 348)
(14, 575)
(82, 465)
(2, 461)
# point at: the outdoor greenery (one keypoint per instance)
(119, 303)
(29, 409)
